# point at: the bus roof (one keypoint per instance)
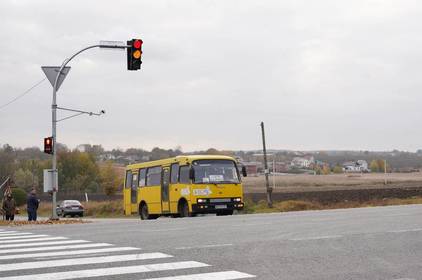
(181, 159)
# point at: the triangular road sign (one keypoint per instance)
(51, 73)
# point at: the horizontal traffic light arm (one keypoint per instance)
(79, 112)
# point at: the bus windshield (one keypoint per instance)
(216, 171)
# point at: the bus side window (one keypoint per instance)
(154, 176)
(142, 177)
(174, 173)
(184, 174)
(128, 182)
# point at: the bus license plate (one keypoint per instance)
(223, 206)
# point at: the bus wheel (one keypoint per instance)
(184, 209)
(144, 212)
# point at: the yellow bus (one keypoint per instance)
(183, 186)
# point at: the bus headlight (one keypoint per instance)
(201, 200)
(237, 199)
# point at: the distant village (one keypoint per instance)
(306, 164)
(282, 161)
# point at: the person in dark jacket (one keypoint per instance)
(32, 205)
(9, 207)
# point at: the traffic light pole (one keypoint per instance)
(54, 121)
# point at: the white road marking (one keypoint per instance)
(224, 275)
(203, 246)
(64, 242)
(55, 248)
(82, 261)
(67, 253)
(405, 230)
(79, 256)
(22, 237)
(5, 232)
(316, 238)
(32, 239)
(15, 234)
(109, 271)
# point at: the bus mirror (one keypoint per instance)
(244, 174)
(192, 174)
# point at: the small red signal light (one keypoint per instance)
(137, 44)
(48, 145)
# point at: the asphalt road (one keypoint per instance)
(366, 243)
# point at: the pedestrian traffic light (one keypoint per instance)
(134, 54)
(48, 145)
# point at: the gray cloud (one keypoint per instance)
(322, 75)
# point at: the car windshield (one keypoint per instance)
(215, 171)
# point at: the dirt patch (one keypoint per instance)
(42, 222)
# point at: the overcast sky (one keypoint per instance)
(320, 74)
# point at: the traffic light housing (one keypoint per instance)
(134, 54)
(48, 145)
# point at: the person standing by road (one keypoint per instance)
(32, 206)
(9, 207)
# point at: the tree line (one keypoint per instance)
(79, 172)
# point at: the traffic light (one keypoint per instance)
(48, 145)
(134, 54)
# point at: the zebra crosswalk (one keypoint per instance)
(27, 256)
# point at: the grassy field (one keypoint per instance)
(303, 182)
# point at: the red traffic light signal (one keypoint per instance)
(48, 145)
(134, 54)
(137, 44)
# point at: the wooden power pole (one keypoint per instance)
(266, 171)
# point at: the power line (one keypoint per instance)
(23, 94)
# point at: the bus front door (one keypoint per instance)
(165, 201)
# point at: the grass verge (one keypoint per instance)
(300, 205)
(94, 209)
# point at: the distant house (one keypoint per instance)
(105, 157)
(251, 167)
(279, 167)
(303, 162)
(355, 166)
(83, 148)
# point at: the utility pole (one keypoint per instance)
(267, 183)
(385, 172)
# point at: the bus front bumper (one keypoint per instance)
(214, 207)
